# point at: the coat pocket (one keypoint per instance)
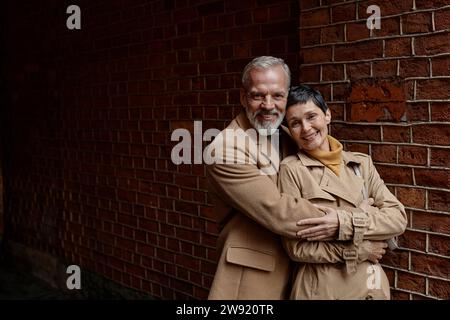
(251, 258)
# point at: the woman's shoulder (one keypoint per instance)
(357, 157)
(290, 159)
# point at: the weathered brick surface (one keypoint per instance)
(396, 108)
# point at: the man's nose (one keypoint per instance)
(268, 103)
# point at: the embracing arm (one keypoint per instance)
(333, 251)
(382, 221)
(243, 187)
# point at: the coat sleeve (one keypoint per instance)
(384, 220)
(243, 187)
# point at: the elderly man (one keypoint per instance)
(251, 210)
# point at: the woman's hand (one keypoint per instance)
(372, 251)
(366, 204)
(322, 229)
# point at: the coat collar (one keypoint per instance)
(335, 185)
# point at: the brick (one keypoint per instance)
(435, 134)
(413, 240)
(384, 153)
(439, 288)
(188, 235)
(309, 73)
(433, 89)
(440, 157)
(440, 111)
(384, 69)
(417, 111)
(397, 259)
(414, 68)
(399, 295)
(314, 55)
(431, 222)
(441, 66)
(432, 177)
(309, 4)
(439, 200)
(340, 13)
(356, 71)
(313, 18)
(412, 155)
(279, 12)
(416, 23)
(357, 31)
(212, 8)
(355, 132)
(358, 51)
(439, 244)
(332, 34)
(397, 175)
(332, 72)
(337, 111)
(442, 19)
(411, 282)
(430, 265)
(432, 44)
(309, 37)
(411, 197)
(276, 29)
(398, 47)
(389, 27)
(357, 147)
(430, 4)
(396, 134)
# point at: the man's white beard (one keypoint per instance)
(265, 128)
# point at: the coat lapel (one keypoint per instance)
(347, 186)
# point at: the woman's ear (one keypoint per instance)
(328, 116)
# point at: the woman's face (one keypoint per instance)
(308, 126)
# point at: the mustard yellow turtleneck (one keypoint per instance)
(331, 159)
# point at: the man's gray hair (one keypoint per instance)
(265, 62)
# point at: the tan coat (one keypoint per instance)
(252, 262)
(322, 273)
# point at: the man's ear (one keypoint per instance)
(328, 116)
(242, 95)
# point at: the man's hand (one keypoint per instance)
(371, 250)
(321, 229)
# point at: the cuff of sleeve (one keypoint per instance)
(359, 222)
(345, 225)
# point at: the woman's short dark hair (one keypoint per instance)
(302, 94)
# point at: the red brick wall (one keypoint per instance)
(389, 92)
(90, 115)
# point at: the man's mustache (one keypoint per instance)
(266, 112)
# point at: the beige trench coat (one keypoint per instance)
(252, 262)
(322, 271)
